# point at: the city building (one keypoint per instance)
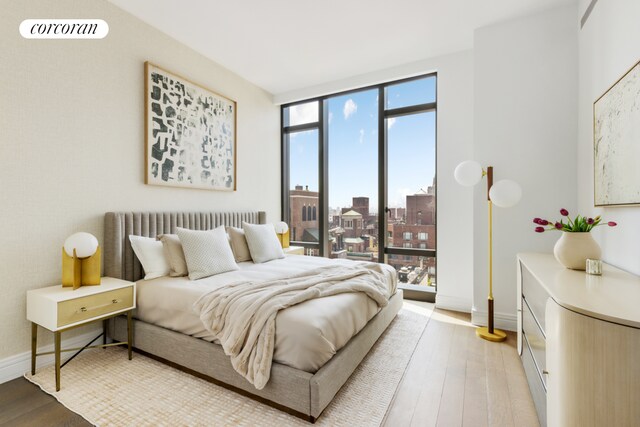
(303, 225)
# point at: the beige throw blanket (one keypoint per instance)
(242, 315)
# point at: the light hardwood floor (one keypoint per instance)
(453, 379)
(457, 379)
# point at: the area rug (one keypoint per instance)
(108, 390)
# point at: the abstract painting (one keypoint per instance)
(616, 142)
(190, 133)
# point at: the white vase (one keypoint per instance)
(573, 249)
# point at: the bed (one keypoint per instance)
(314, 355)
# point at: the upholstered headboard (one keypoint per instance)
(119, 259)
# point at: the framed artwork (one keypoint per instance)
(616, 142)
(190, 133)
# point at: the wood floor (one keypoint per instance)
(453, 379)
(24, 404)
(457, 379)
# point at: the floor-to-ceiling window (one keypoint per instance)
(359, 173)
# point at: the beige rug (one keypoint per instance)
(108, 390)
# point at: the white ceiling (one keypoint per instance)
(285, 45)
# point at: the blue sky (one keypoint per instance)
(353, 146)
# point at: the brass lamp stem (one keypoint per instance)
(490, 333)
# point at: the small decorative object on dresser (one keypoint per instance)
(594, 267)
(80, 261)
(59, 309)
(504, 194)
(576, 244)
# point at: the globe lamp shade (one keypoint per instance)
(505, 193)
(281, 227)
(85, 244)
(468, 173)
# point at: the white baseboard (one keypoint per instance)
(15, 366)
(505, 321)
(447, 302)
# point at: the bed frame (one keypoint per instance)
(298, 392)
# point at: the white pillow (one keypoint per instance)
(263, 242)
(206, 252)
(151, 255)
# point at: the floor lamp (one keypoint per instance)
(504, 194)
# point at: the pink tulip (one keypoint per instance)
(564, 212)
(543, 222)
(590, 221)
(612, 224)
(539, 229)
(535, 220)
(558, 226)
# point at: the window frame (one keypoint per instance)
(321, 126)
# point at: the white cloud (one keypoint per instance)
(361, 136)
(350, 107)
(303, 113)
(391, 122)
(330, 116)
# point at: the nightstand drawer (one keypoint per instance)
(96, 305)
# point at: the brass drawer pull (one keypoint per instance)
(85, 309)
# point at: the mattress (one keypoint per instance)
(307, 334)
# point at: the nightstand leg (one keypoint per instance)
(104, 333)
(34, 346)
(57, 352)
(129, 333)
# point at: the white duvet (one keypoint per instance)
(307, 334)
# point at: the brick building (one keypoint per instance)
(421, 208)
(303, 214)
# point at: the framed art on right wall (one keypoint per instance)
(616, 142)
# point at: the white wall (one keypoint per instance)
(525, 119)
(609, 44)
(72, 141)
(455, 139)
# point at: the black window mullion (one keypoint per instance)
(323, 180)
(285, 205)
(382, 175)
(403, 111)
(302, 127)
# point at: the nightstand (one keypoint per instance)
(59, 309)
(294, 250)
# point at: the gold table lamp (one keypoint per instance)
(282, 230)
(80, 261)
(504, 194)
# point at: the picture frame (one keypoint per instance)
(190, 133)
(616, 142)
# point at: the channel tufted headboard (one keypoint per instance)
(120, 261)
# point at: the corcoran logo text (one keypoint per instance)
(64, 29)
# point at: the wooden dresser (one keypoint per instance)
(579, 340)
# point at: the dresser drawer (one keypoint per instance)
(92, 306)
(535, 339)
(536, 385)
(535, 295)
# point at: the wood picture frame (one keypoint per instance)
(616, 142)
(190, 133)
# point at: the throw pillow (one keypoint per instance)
(174, 254)
(263, 242)
(151, 255)
(206, 252)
